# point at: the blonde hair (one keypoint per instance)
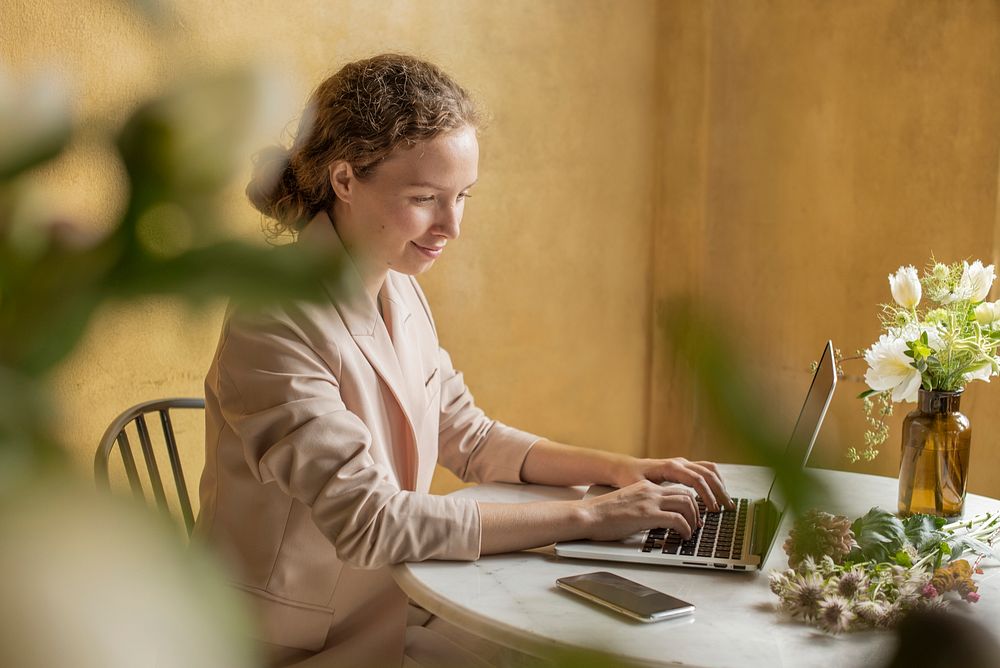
(361, 114)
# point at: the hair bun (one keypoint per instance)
(273, 181)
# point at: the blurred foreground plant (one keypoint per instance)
(179, 151)
(734, 408)
(108, 579)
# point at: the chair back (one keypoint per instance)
(116, 434)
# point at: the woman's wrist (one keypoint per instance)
(623, 470)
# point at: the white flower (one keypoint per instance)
(905, 287)
(983, 372)
(988, 312)
(976, 281)
(890, 369)
(913, 331)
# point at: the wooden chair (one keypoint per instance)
(116, 433)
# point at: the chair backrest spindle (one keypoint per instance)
(115, 435)
(155, 482)
(175, 466)
(130, 469)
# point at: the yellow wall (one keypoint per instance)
(811, 148)
(775, 159)
(543, 300)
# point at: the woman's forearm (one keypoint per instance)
(508, 527)
(551, 463)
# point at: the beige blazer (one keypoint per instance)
(324, 423)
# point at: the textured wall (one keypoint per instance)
(543, 300)
(810, 148)
(783, 157)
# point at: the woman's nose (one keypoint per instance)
(450, 221)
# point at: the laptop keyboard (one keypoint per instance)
(721, 537)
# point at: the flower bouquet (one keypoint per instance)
(930, 349)
(868, 574)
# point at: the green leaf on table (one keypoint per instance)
(880, 535)
(924, 532)
(903, 558)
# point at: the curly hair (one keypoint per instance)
(361, 114)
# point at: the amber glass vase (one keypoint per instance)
(934, 463)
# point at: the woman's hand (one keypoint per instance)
(641, 505)
(703, 477)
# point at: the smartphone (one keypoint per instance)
(627, 597)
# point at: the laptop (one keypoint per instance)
(734, 540)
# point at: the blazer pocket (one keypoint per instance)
(432, 386)
(289, 623)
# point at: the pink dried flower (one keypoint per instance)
(805, 596)
(835, 615)
(929, 591)
(972, 597)
(852, 582)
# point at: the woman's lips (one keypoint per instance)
(429, 252)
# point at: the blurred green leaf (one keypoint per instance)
(734, 407)
(185, 145)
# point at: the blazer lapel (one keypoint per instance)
(360, 314)
(406, 343)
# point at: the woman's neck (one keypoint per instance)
(372, 276)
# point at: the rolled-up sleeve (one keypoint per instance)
(471, 445)
(284, 404)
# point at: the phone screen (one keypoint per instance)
(629, 597)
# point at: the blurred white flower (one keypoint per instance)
(988, 312)
(976, 281)
(905, 286)
(890, 369)
(983, 372)
(35, 119)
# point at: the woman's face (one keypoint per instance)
(402, 215)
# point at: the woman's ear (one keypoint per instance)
(342, 179)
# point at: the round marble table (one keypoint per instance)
(512, 599)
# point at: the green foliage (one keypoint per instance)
(732, 404)
(924, 531)
(880, 535)
(179, 151)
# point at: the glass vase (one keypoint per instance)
(934, 462)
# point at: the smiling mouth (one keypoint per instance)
(430, 252)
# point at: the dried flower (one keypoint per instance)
(778, 581)
(872, 588)
(871, 613)
(852, 582)
(835, 615)
(957, 577)
(818, 534)
(804, 596)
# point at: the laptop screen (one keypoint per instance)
(800, 445)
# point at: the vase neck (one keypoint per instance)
(933, 401)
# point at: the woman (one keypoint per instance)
(325, 420)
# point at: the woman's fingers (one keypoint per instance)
(710, 474)
(678, 523)
(688, 474)
(683, 504)
(705, 479)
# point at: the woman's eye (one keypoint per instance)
(424, 199)
(464, 195)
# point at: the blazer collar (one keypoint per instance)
(395, 358)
